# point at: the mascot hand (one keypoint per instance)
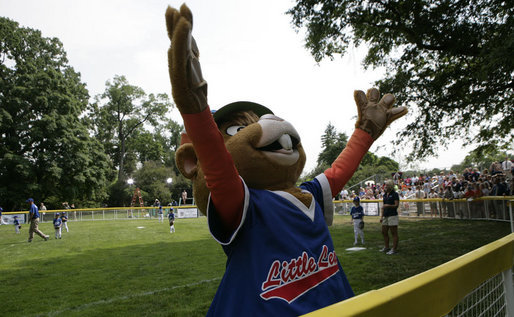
(373, 115)
(189, 89)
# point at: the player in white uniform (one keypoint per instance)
(58, 225)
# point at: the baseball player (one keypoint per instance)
(357, 214)
(64, 219)
(57, 226)
(17, 226)
(171, 218)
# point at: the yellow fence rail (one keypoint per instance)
(434, 292)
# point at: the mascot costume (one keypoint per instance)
(244, 162)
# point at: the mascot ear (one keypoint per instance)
(186, 160)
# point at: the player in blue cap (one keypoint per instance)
(171, 219)
(17, 225)
(357, 214)
(64, 218)
(57, 225)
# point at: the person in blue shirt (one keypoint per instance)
(160, 213)
(34, 221)
(64, 218)
(389, 217)
(171, 218)
(17, 226)
(357, 214)
(57, 225)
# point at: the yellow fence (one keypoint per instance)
(109, 213)
(434, 292)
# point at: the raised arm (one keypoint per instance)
(374, 115)
(189, 91)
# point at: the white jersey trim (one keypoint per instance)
(309, 212)
(328, 211)
(243, 217)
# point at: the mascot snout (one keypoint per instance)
(279, 140)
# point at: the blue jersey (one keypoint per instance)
(16, 222)
(389, 199)
(281, 258)
(357, 212)
(34, 212)
(171, 216)
(64, 218)
(57, 222)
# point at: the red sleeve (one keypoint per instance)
(221, 176)
(347, 162)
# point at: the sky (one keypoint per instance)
(249, 50)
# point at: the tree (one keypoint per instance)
(378, 168)
(159, 145)
(45, 149)
(450, 61)
(481, 160)
(170, 143)
(120, 114)
(333, 143)
(151, 179)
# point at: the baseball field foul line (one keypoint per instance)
(115, 299)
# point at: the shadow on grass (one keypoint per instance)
(423, 244)
(163, 278)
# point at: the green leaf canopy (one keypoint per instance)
(45, 148)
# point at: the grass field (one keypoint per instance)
(137, 268)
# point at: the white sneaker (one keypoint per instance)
(392, 251)
(384, 249)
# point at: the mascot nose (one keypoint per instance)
(276, 129)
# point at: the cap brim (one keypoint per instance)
(237, 106)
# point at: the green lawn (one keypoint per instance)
(114, 268)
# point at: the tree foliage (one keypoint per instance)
(152, 178)
(119, 116)
(449, 61)
(45, 148)
(481, 159)
(333, 142)
(375, 168)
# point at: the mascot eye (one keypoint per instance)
(234, 129)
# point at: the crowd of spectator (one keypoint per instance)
(493, 181)
(471, 183)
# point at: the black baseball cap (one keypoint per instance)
(226, 110)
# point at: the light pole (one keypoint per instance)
(130, 182)
(169, 181)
